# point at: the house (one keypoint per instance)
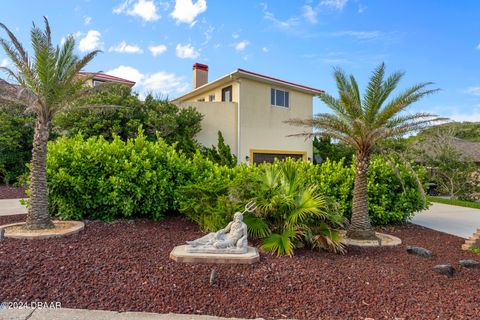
(250, 109)
(99, 78)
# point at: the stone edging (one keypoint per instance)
(386, 240)
(76, 228)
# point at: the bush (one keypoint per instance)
(97, 179)
(16, 136)
(115, 111)
(393, 197)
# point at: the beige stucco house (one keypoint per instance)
(250, 109)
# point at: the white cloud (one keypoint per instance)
(145, 9)
(360, 35)
(474, 117)
(361, 8)
(157, 50)
(126, 72)
(309, 14)
(288, 24)
(123, 47)
(91, 41)
(235, 35)
(186, 51)
(162, 82)
(4, 62)
(334, 4)
(87, 20)
(473, 90)
(186, 11)
(265, 49)
(242, 45)
(478, 47)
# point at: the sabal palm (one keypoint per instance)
(363, 122)
(47, 82)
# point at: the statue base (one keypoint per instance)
(180, 254)
(202, 249)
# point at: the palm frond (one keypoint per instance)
(257, 227)
(281, 244)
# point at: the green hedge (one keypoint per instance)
(97, 179)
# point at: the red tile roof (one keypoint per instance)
(107, 77)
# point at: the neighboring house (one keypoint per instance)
(99, 78)
(250, 109)
(468, 150)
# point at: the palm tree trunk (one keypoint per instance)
(360, 227)
(38, 216)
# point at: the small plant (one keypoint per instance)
(475, 250)
(294, 212)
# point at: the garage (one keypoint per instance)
(260, 156)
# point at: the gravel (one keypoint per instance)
(125, 266)
(9, 192)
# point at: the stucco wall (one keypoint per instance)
(218, 93)
(217, 116)
(261, 124)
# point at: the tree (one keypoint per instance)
(47, 83)
(221, 154)
(363, 123)
(125, 113)
(451, 170)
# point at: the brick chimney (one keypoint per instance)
(200, 75)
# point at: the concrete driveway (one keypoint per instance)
(11, 206)
(459, 221)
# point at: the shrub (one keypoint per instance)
(115, 111)
(97, 179)
(16, 136)
(221, 154)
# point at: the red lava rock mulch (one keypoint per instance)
(125, 266)
(9, 192)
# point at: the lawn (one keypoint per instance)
(125, 266)
(455, 202)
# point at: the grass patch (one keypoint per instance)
(455, 202)
(475, 250)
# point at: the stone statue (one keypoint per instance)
(231, 239)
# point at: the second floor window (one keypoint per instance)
(279, 98)
(227, 94)
(211, 98)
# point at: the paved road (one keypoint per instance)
(79, 314)
(11, 206)
(459, 221)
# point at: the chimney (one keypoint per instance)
(200, 75)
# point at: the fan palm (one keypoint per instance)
(363, 123)
(47, 83)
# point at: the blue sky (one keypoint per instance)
(156, 42)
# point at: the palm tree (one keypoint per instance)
(47, 83)
(362, 123)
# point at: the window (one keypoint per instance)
(201, 100)
(211, 98)
(97, 82)
(260, 157)
(227, 94)
(279, 98)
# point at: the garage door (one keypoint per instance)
(259, 157)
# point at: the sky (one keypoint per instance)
(155, 43)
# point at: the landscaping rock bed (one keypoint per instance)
(125, 266)
(9, 192)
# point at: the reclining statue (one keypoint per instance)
(231, 239)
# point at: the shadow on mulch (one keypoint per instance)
(125, 266)
(10, 192)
